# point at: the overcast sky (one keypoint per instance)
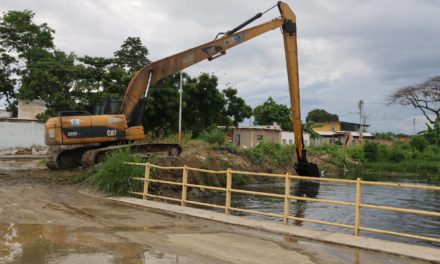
(348, 49)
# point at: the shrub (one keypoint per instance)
(114, 177)
(396, 155)
(213, 136)
(419, 143)
(370, 151)
(356, 153)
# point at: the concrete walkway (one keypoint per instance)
(401, 249)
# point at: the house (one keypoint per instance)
(340, 132)
(251, 136)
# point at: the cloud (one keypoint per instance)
(348, 49)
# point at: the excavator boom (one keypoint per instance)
(153, 72)
(156, 71)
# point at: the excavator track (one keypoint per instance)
(88, 156)
(51, 160)
(65, 157)
(94, 156)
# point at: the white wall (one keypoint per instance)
(288, 138)
(18, 134)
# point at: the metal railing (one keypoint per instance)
(357, 204)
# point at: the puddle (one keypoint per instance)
(35, 243)
(82, 258)
(9, 249)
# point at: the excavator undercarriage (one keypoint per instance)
(72, 156)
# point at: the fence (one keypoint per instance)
(357, 204)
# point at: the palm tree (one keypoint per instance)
(309, 126)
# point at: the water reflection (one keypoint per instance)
(309, 189)
(37, 243)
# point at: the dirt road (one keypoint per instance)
(44, 218)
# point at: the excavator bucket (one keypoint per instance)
(305, 168)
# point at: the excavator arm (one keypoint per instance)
(158, 70)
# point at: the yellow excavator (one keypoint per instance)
(81, 139)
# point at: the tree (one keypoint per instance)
(51, 76)
(235, 107)
(270, 112)
(424, 96)
(309, 128)
(162, 106)
(95, 82)
(132, 55)
(203, 103)
(18, 33)
(20, 39)
(7, 78)
(432, 133)
(320, 115)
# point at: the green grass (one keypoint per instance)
(213, 136)
(264, 152)
(114, 177)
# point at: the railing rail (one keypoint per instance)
(287, 197)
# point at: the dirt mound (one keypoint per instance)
(203, 155)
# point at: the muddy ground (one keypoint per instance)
(45, 218)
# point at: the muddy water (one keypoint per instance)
(36, 243)
(389, 196)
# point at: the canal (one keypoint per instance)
(380, 195)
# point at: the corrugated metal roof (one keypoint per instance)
(342, 133)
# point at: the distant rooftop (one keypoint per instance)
(274, 126)
(343, 123)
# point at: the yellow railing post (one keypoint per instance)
(184, 185)
(146, 182)
(357, 221)
(286, 198)
(228, 190)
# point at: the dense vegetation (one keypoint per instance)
(418, 159)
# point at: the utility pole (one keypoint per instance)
(414, 125)
(361, 120)
(180, 109)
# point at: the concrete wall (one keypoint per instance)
(250, 137)
(21, 136)
(5, 114)
(29, 109)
